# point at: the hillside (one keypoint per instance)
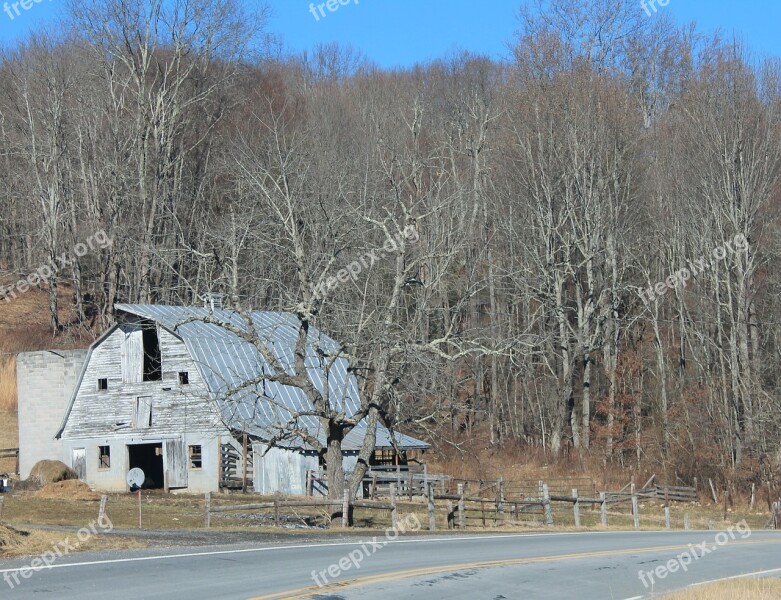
(24, 327)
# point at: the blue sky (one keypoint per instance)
(403, 32)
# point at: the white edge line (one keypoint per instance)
(744, 576)
(299, 547)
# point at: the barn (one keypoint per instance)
(165, 391)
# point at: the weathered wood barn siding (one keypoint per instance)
(181, 415)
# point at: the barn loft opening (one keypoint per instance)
(148, 458)
(152, 360)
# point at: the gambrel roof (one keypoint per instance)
(226, 362)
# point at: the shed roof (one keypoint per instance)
(226, 362)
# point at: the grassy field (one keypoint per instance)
(739, 589)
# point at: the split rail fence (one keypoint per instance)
(473, 502)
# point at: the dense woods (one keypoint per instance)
(595, 222)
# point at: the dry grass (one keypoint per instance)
(20, 542)
(72, 489)
(740, 589)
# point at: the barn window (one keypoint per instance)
(184, 378)
(102, 385)
(196, 461)
(104, 457)
(152, 360)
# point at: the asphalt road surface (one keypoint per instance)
(609, 565)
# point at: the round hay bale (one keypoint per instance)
(71, 489)
(51, 471)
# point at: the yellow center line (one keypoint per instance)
(297, 594)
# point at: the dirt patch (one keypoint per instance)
(51, 471)
(72, 489)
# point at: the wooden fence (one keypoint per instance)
(493, 503)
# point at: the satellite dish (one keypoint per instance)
(135, 479)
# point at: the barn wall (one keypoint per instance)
(281, 470)
(176, 409)
(45, 382)
(205, 479)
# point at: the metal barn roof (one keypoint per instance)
(227, 362)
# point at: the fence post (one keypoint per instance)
(667, 517)
(346, 509)
(576, 507)
(207, 510)
(603, 507)
(394, 513)
(432, 517)
(276, 509)
(686, 521)
(546, 505)
(2, 498)
(411, 485)
(460, 505)
(635, 508)
(753, 497)
(450, 518)
(713, 491)
(500, 498)
(102, 509)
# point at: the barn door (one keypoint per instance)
(175, 464)
(79, 462)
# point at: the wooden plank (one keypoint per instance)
(176, 463)
(547, 506)
(207, 517)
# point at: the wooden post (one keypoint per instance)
(546, 505)
(394, 513)
(726, 499)
(713, 491)
(432, 520)
(139, 508)
(753, 497)
(450, 518)
(696, 491)
(308, 491)
(276, 510)
(500, 498)
(207, 510)
(635, 508)
(102, 509)
(220, 468)
(245, 444)
(346, 509)
(667, 517)
(576, 507)
(460, 505)
(2, 498)
(603, 507)
(686, 521)
(411, 485)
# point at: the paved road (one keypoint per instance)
(577, 565)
